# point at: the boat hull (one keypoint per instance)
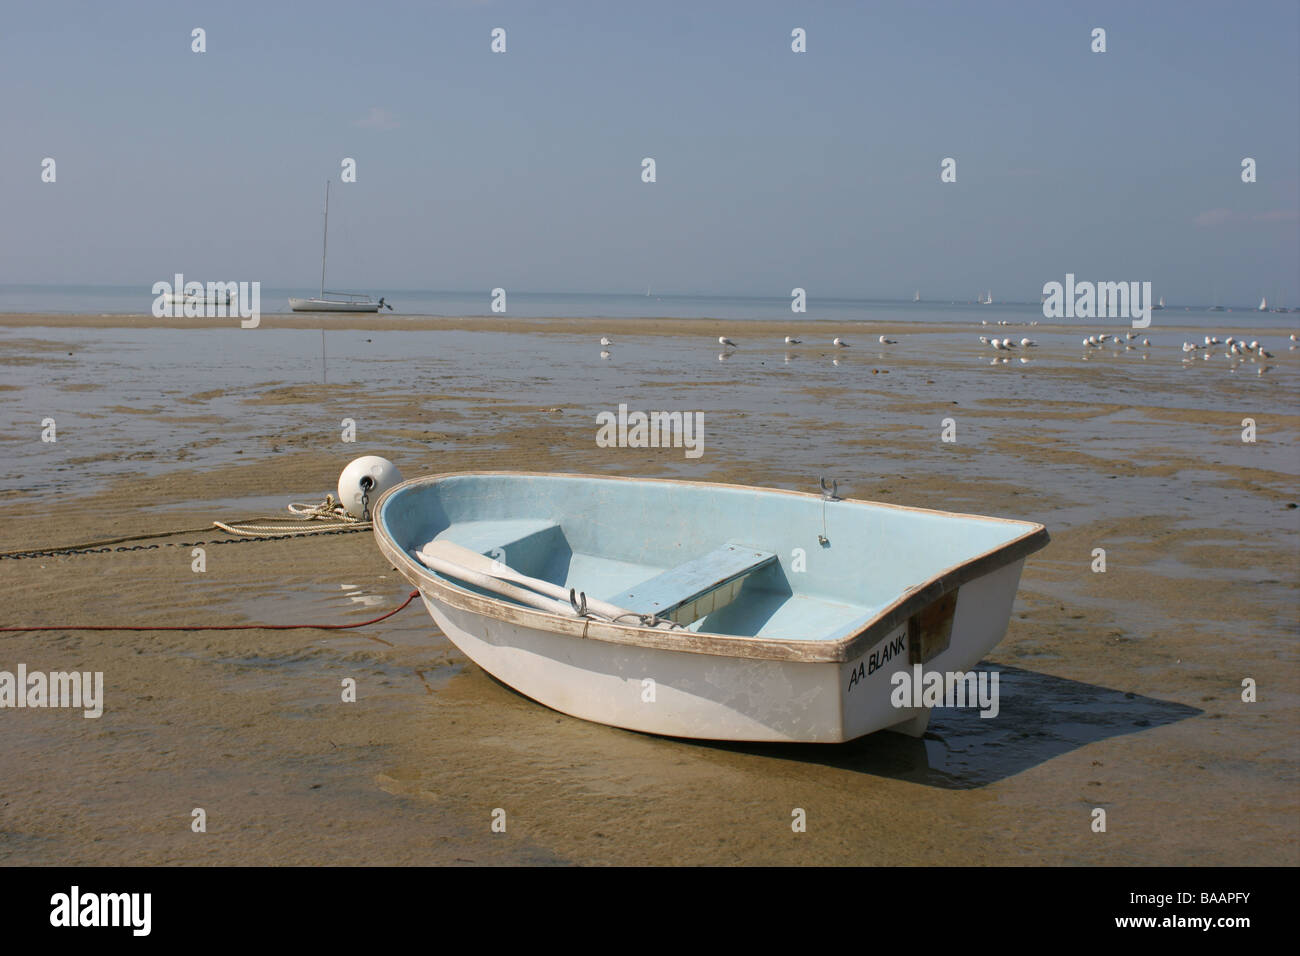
(173, 298)
(324, 305)
(817, 683)
(676, 694)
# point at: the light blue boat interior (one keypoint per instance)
(612, 538)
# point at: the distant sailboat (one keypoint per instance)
(1263, 304)
(917, 296)
(341, 301)
(988, 298)
(1159, 305)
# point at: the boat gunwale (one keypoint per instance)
(846, 648)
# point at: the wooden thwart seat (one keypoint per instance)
(701, 586)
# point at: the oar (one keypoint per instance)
(494, 584)
(456, 554)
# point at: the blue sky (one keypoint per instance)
(775, 169)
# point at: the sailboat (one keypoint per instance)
(917, 297)
(1263, 304)
(1159, 305)
(334, 301)
(988, 298)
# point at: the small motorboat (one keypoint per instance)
(198, 298)
(712, 611)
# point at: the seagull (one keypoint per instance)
(1146, 342)
(792, 341)
(984, 339)
(839, 343)
(1293, 337)
(605, 342)
(1029, 343)
(1254, 346)
(885, 340)
(723, 340)
(1000, 344)
(1264, 354)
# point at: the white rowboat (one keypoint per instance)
(703, 610)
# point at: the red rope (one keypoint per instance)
(216, 627)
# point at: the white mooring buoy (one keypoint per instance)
(369, 476)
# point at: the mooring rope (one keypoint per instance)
(328, 517)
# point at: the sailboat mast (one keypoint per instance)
(324, 245)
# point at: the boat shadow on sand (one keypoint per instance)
(1040, 717)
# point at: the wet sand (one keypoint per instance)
(1119, 690)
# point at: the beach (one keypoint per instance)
(1121, 689)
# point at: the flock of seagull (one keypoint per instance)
(1236, 348)
(838, 342)
(1007, 345)
(1099, 341)
(1003, 345)
(729, 344)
